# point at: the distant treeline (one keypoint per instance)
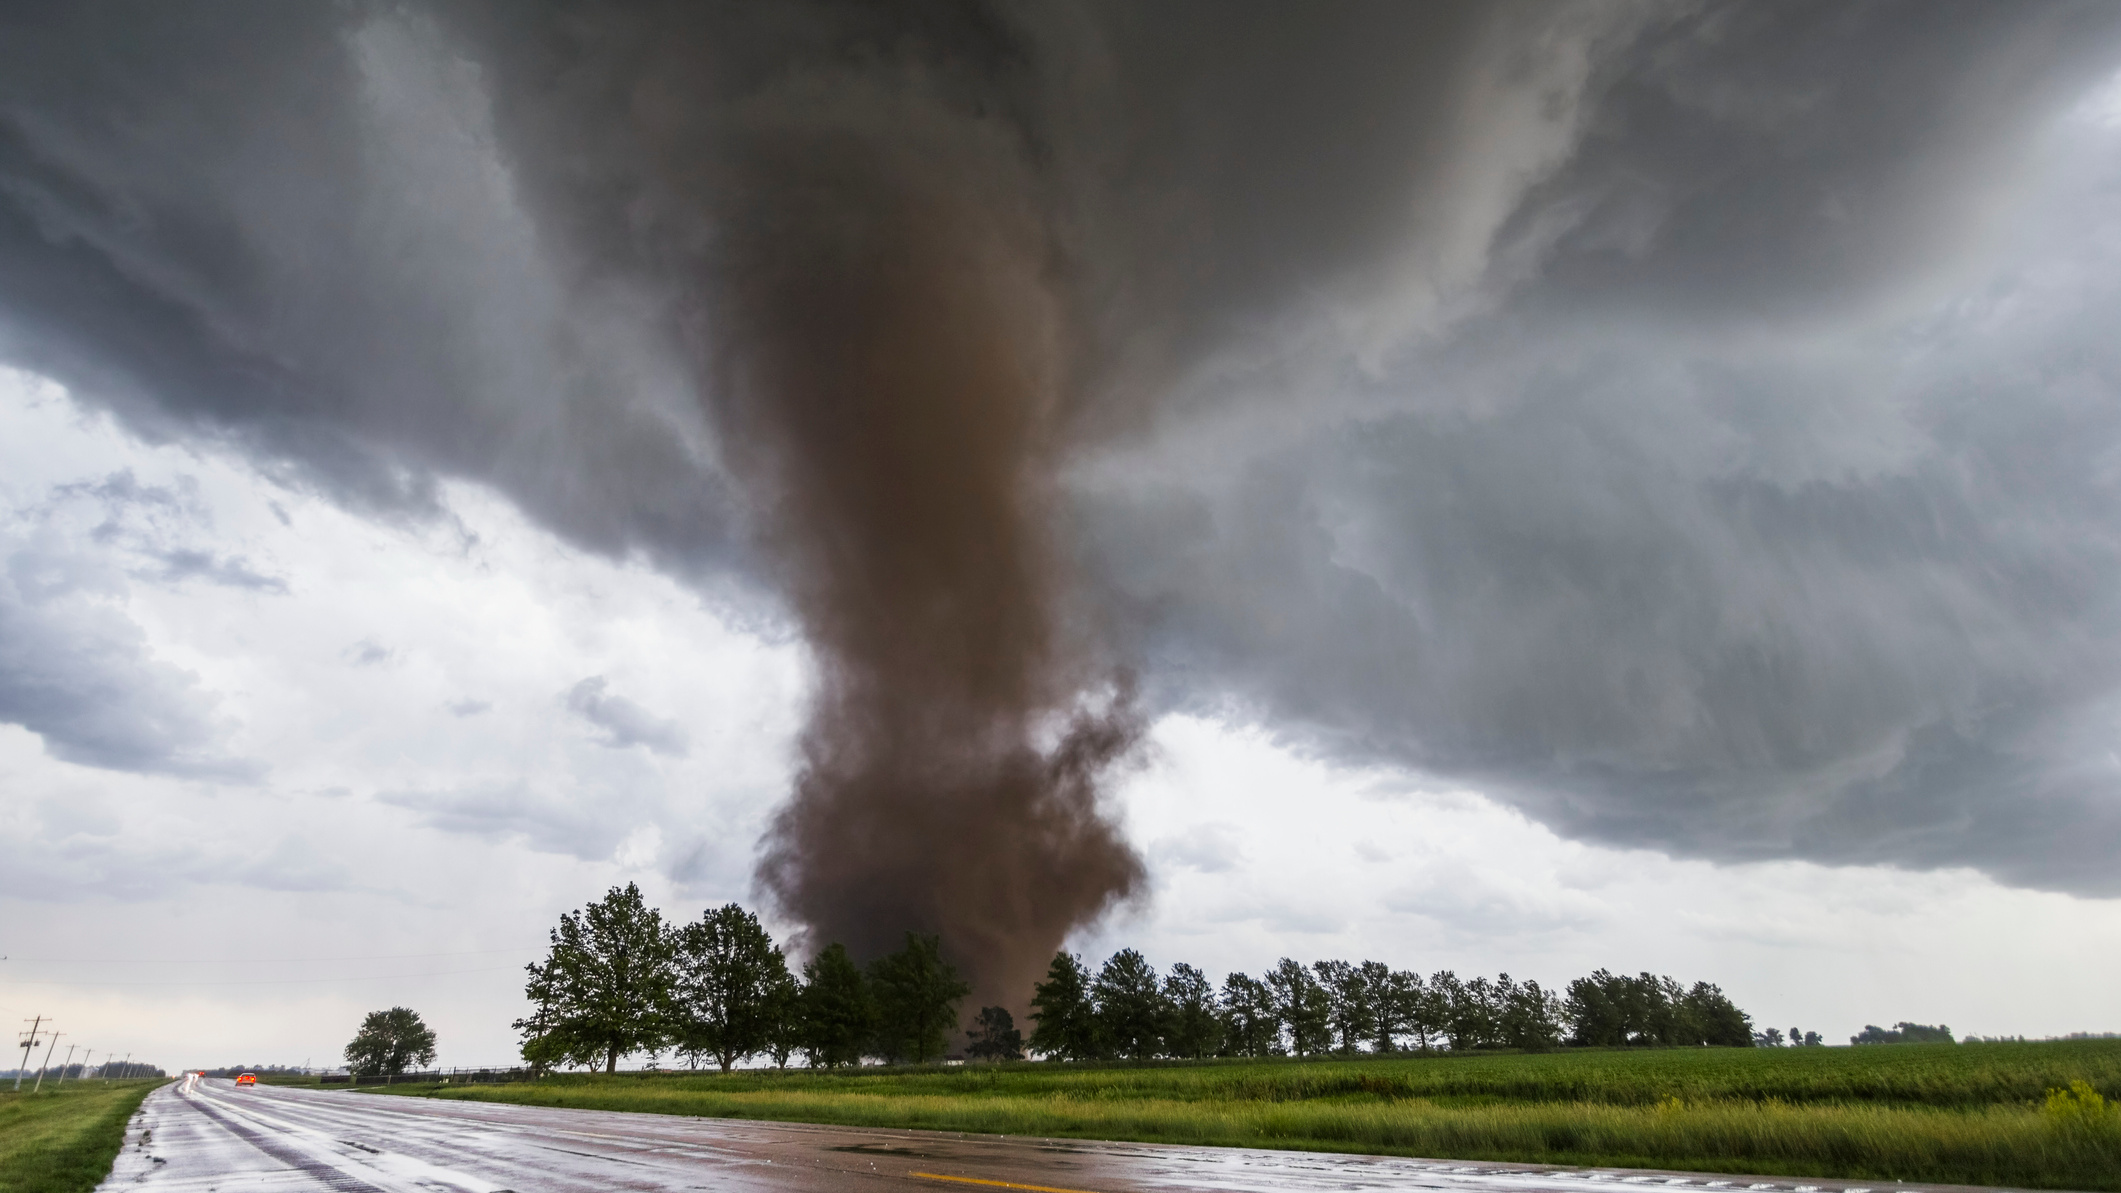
(2075, 1035)
(619, 980)
(259, 1070)
(117, 1070)
(1903, 1033)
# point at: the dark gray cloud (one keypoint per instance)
(76, 671)
(1648, 414)
(75, 668)
(1838, 593)
(625, 723)
(285, 228)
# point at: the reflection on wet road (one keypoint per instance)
(209, 1137)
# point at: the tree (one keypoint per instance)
(1194, 1028)
(1302, 1006)
(1431, 1011)
(1530, 1018)
(994, 1036)
(1350, 1012)
(1904, 1033)
(1400, 997)
(1067, 1023)
(1709, 1017)
(1476, 1019)
(784, 1017)
(1388, 1017)
(1130, 1006)
(389, 1041)
(604, 989)
(1609, 1010)
(1458, 1019)
(916, 995)
(732, 987)
(1594, 1007)
(1251, 1024)
(835, 1010)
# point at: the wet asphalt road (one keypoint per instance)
(207, 1136)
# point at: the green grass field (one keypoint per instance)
(1962, 1114)
(63, 1139)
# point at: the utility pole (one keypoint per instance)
(84, 1063)
(54, 1038)
(28, 1042)
(64, 1064)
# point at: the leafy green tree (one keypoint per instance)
(604, 989)
(916, 994)
(836, 1014)
(1666, 1017)
(1458, 1021)
(1351, 1013)
(994, 1036)
(1067, 1022)
(1530, 1017)
(1130, 1006)
(784, 1027)
(1610, 1010)
(1388, 1017)
(1302, 1006)
(390, 1041)
(1478, 1019)
(1427, 1010)
(1904, 1033)
(1595, 1009)
(1251, 1024)
(1195, 1027)
(731, 988)
(1713, 1019)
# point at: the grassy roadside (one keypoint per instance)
(1962, 1114)
(63, 1140)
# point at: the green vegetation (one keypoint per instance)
(63, 1140)
(390, 1041)
(2031, 1115)
(620, 981)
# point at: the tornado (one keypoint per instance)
(891, 356)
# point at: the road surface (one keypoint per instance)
(207, 1136)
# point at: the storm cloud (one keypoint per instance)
(1661, 417)
(624, 723)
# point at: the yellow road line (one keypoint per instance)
(973, 1180)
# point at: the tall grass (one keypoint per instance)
(1979, 1114)
(63, 1140)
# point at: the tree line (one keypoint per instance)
(1904, 1033)
(618, 980)
(1127, 1010)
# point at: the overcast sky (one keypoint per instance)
(1606, 486)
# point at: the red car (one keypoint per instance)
(243, 1079)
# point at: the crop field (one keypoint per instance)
(62, 1140)
(1964, 1114)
